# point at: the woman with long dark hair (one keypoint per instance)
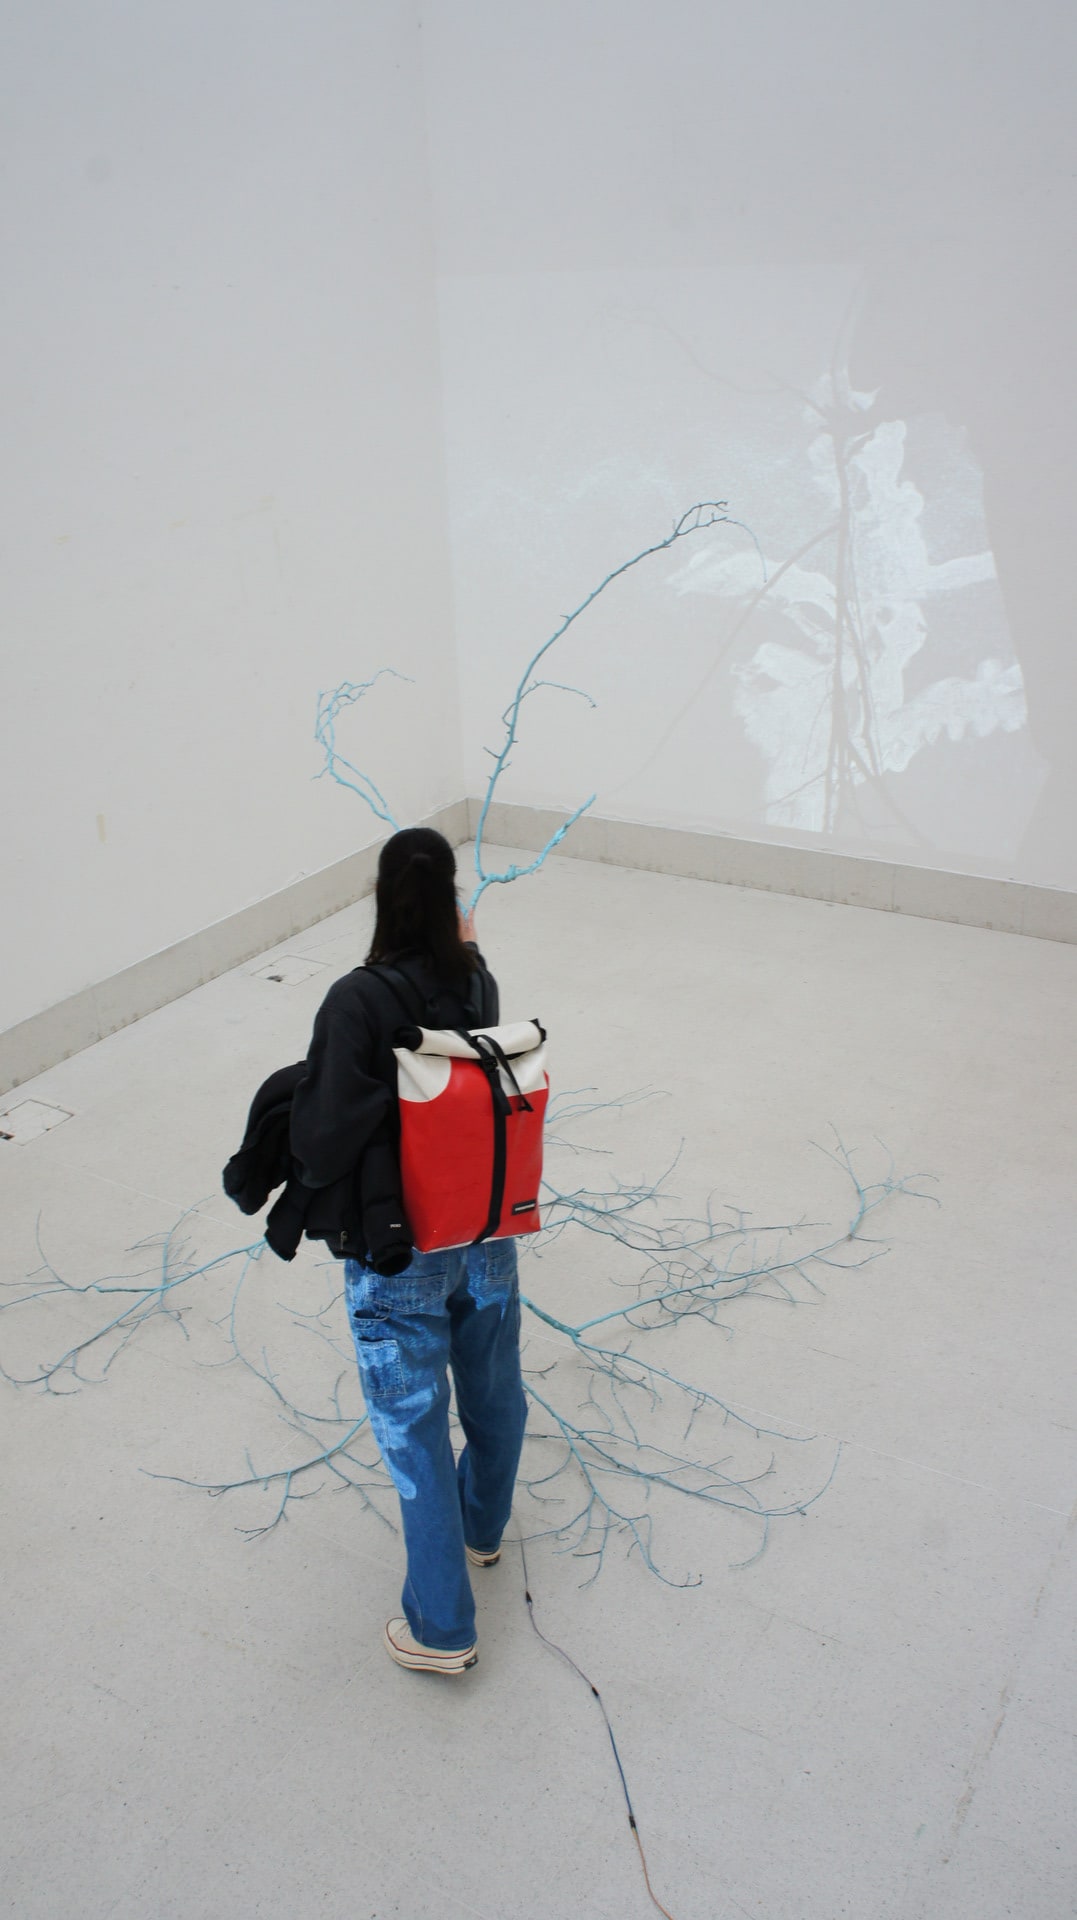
(423, 1315)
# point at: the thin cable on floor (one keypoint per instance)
(567, 1657)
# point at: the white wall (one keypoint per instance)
(223, 463)
(769, 254)
(681, 253)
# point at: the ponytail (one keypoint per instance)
(416, 903)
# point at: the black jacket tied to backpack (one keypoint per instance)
(327, 1129)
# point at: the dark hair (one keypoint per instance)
(416, 897)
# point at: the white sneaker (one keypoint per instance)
(478, 1559)
(402, 1646)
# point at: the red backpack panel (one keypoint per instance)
(472, 1112)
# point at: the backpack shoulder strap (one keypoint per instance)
(479, 1006)
(480, 1001)
(475, 1003)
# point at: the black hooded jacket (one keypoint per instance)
(327, 1129)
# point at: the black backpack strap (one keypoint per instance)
(475, 999)
(482, 992)
(492, 1058)
(478, 1008)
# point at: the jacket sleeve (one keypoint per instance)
(263, 1161)
(339, 1104)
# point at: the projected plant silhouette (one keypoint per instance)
(837, 694)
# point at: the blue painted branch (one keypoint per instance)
(330, 706)
(706, 513)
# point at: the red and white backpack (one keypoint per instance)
(472, 1113)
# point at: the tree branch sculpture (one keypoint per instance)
(616, 1436)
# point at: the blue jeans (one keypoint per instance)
(458, 1309)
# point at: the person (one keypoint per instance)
(456, 1311)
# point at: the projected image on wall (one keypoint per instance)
(841, 669)
(841, 691)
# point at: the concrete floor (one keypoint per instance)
(878, 1718)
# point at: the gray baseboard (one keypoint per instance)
(1007, 906)
(51, 1036)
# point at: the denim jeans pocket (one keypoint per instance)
(380, 1366)
(492, 1272)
